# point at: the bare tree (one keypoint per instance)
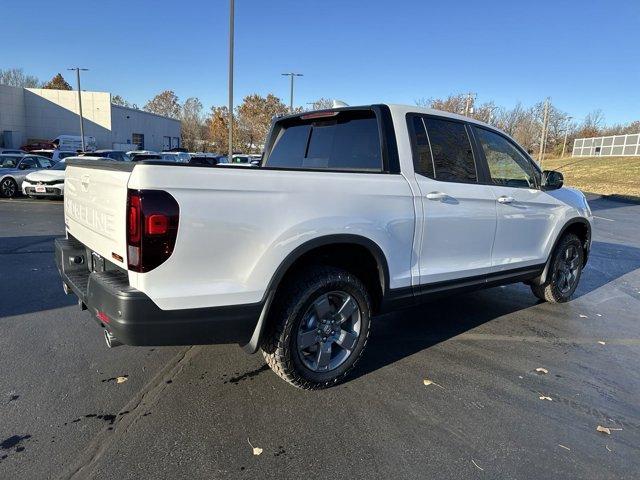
(191, 117)
(15, 77)
(322, 104)
(119, 100)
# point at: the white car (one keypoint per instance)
(45, 183)
(177, 157)
(354, 212)
(55, 155)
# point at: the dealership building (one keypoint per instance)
(34, 115)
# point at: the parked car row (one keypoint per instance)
(14, 168)
(40, 173)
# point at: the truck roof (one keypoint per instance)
(399, 109)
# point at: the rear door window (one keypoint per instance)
(348, 140)
(442, 150)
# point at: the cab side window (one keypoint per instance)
(443, 150)
(508, 167)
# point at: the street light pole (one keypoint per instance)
(291, 93)
(230, 113)
(77, 70)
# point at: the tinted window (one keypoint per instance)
(9, 162)
(28, 163)
(348, 141)
(507, 166)
(423, 161)
(451, 151)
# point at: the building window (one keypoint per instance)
(175, 142)
(138, 139)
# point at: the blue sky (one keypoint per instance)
(583, 54)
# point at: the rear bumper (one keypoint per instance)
(134, 319)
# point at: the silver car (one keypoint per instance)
(14, 168)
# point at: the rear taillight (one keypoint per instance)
(152, 228)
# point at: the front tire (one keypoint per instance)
(318, 329)
(8, 188)
(564, 273)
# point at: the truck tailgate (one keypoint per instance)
(95, 206)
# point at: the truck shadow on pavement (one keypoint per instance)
(400, 334)
(29, 279)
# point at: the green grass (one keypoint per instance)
(603, 175)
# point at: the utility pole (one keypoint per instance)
(467, 105)
(543, 136)
(78, 70)
(230, 113)
(566, 134)
(291, 94)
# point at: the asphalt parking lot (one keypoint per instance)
(197, 412)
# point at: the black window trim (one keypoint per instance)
(388, 146)
(482, 171)
(515, 144)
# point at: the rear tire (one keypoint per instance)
(318, 329)
(8, 188)
(564, 272)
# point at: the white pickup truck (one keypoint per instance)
(353, 211)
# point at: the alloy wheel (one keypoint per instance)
(566, 272)
(329, 331)
(8, 187)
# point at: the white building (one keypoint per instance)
(611, 146)
(35, 114)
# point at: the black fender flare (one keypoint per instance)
(578, 220)
(334, 239)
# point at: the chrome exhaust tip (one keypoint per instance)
(111, 340)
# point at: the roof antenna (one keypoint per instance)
(339, 103)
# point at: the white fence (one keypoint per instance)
(615, 145)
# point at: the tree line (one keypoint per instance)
(208, 130)
(524, 123)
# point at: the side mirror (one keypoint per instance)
(552, 180)
(23, 166)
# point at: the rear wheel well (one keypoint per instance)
(354, 258)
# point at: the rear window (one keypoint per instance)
(346, 141)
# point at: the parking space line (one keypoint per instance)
(603, 218)
(519, 338)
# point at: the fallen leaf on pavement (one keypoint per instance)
(601, 342)
(606, 430)
(256, 450)
(544, 397)
(121, 379)
(428, 382)
(541, 370)
(478, 466)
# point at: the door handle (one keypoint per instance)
(436, 196)
(505, 199)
